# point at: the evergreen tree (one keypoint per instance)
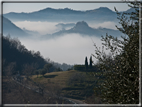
(121, 68)
(86, 63)
(91, 62)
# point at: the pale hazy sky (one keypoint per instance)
(30, 7)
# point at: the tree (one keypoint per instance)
(121, 67)
(28, 69)
(86, 63)
(9, 70)
(47, 67)
(91, 62)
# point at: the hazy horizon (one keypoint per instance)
(68, 48)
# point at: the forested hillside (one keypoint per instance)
(18, 58)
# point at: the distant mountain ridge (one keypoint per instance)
(66, 14)
(84, 29)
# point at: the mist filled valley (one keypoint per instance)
(63, 42)
(70, 48)
(66, 56)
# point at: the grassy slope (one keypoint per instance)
(60, 81)
(59, 78)
(13, 93)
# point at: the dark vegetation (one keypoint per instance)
(16, 55)
(17, 59)
(87, 67)
(120, 68)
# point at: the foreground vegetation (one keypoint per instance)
(121, 67)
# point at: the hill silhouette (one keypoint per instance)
(84, 29)
(12, 29)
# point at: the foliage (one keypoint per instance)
(47, 67)
(79, 67)
(86, 63)
(91, 62)
(44, 70)
(9, 69)
(28, 69)
(14, 51)
(121, 68)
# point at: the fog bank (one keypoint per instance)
(70, 48)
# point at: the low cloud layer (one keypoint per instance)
(108, 24)
(70, 48)
(50, 27)
(42, 27)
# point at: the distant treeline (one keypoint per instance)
(83, 68)
(86, 67)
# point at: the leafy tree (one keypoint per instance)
(121, 67)
(28, 69)
(9, 70)
(47, 67)
(86, 63)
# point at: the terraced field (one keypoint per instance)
(71, 84)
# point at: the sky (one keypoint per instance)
(30, 7)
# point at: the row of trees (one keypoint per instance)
(86, 66)
(86, 63)
(121, 67)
